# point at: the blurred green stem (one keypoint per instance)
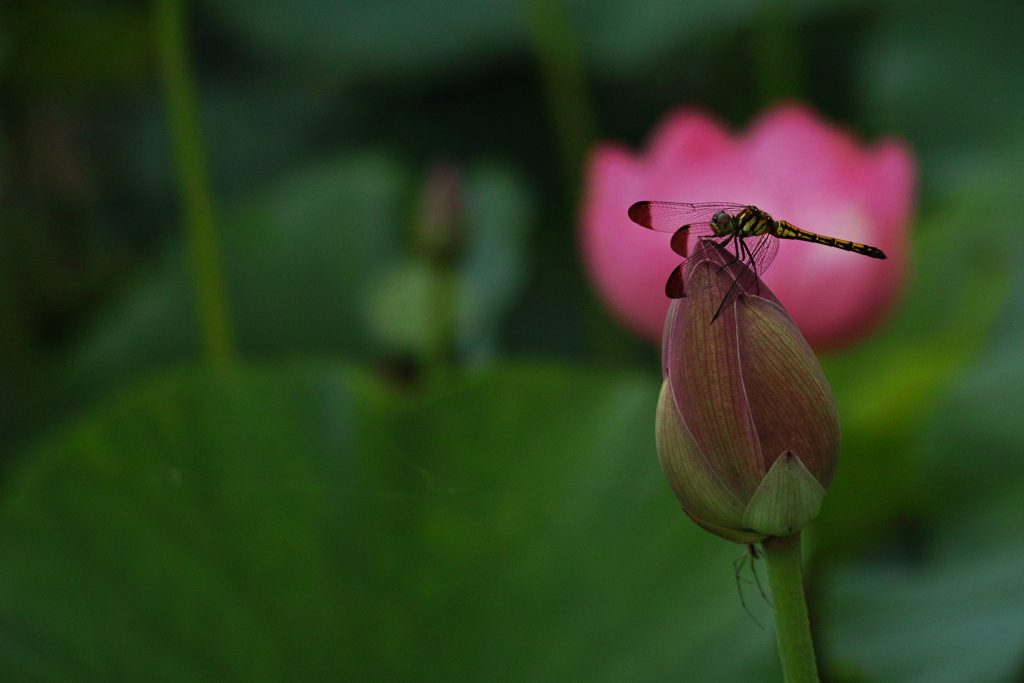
(792, 627)
(776, 53)
(197, 201)
(443, 321)
(574, 122)
(565, 86)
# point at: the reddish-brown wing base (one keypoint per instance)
(680, 240)
(640, 213)
(675, 287)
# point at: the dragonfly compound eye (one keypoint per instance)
(721, 220)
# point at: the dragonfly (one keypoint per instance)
(752, 233)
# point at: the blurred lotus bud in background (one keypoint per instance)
(465, 267)
(438, 224)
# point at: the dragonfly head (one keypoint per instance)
(721, 223)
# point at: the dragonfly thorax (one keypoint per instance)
(752, 221)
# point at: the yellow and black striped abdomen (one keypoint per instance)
(791, 232)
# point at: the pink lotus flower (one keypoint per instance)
(793, 165)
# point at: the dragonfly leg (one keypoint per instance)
(728, 296)
(739, 246)
(725, 245)
(753, 267)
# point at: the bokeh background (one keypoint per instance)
(256, 425)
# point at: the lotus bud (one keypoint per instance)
(747, 429)
(438, 230)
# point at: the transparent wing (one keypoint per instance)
(761, 251)
(757, 253)
(671, 216)
(690, 222)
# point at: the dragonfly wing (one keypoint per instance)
(671, 216)
(683, 240)
(762, 252)
(757, 257)
(691, 222)
(675, 288)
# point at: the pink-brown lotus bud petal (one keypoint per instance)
(747, 430)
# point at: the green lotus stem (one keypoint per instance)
(442, 303)
(574, 121)
(776, 52)
(204, 247)
(792, 627)
(565, 85)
